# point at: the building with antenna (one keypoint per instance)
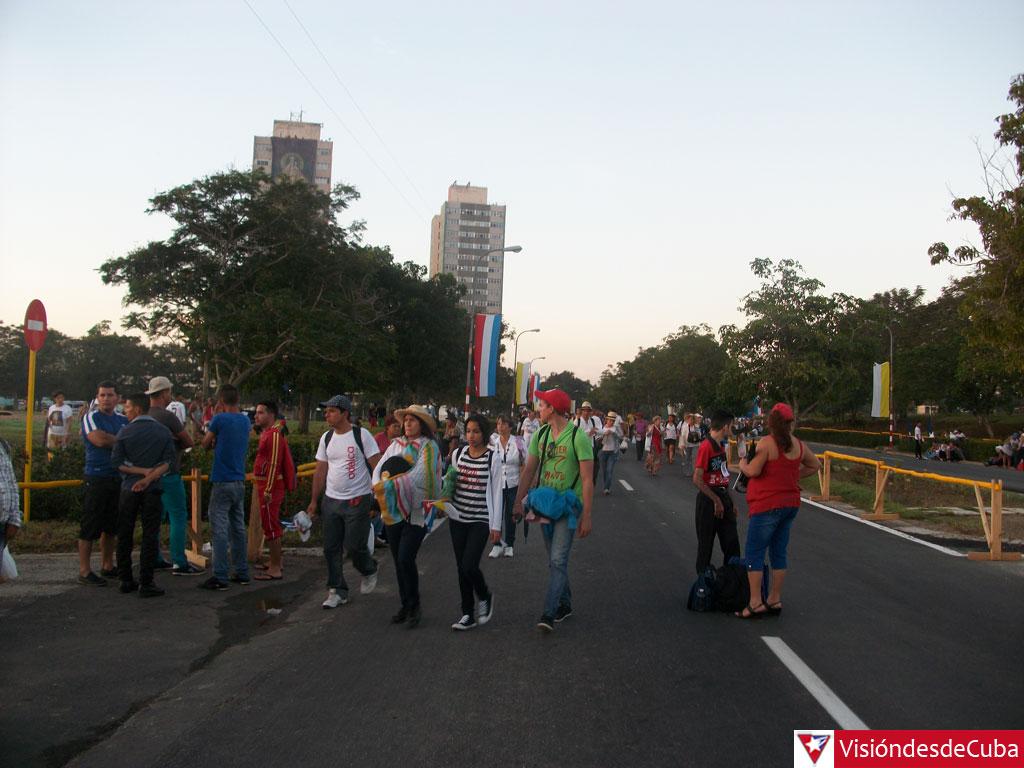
(295, 149)
(460, 236)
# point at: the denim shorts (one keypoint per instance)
(769, 531)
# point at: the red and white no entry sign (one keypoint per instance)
(35, 325)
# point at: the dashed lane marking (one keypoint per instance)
(626, 485)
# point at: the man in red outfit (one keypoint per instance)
(274, 470)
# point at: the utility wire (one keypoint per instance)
(333, 111)
(355, 103)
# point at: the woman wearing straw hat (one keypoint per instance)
(611, 437)
(401, 490)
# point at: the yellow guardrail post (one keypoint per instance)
(993, 528)
(825, 479)
(195, 552)
(878, 512)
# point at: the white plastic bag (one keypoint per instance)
(8, 569)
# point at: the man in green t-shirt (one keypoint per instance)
(566, 464)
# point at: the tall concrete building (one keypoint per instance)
(295, 150)
(460, 235)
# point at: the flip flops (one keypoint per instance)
(750, 613)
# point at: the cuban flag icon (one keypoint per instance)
(812, 748)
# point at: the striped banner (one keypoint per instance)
(486, 343)
(534, 386)
(523, 381)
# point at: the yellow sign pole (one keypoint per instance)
(30, 412)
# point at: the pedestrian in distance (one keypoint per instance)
(228, 435)
(690, 437)
(611, 437)
(655, 447)
(511, 449)
(143, 452)
(273, 474)
(773, 499)
(561, 457)
(530, 425)
(343, 495)
(475, 516)
(404, 498)
(58, 423)
(171, 485)
(918, 442)
(714, 515)
(590, 424)
(640, 436)
(392, 429)
(671, 432)
(102, 487)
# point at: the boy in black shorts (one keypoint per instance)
(715, 514)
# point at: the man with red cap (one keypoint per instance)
(564, 456)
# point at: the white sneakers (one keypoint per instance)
(333, 599)
(484, 610)
(369, 584)
(496, 550)
(508, 551)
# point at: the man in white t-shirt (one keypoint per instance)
(342, 493)
(58, 419)
(591, 425)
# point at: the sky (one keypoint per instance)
(646, 151)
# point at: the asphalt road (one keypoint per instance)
(903, 635)
(1013, 480)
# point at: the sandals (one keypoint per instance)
(774, 609)
(750, 613)
(266, 577)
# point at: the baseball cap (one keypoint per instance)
(158, 384)
(783, 410)
(338, 401)
(556, 398)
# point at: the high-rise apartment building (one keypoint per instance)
(461, 236)
(295, 150)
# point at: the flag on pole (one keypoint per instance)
(522, 383)
(880, 391)
(534, 386)
(487, 335)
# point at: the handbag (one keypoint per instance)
(624, 445)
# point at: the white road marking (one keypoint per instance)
(626, 485)
(900, 534)
(824, 695)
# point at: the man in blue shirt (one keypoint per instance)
(102, 487)
(143, 453)
(228, 435)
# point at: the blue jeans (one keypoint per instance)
(607, 460)
(227, 523)
(558, 542)
(769, 531)
(174, 507)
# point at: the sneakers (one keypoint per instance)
(546, 623)
(415, 614)
(236, 579)
(466, 622)
(161, 565)
(369, 584)
(563, 613)
(108, 573)
(485, 610)
(607, 492)
(213, 584)
(92, 580)
(150, 590)
(508, 551)
(186, 570)
(333, 599)
(127, 587)
(496, 550)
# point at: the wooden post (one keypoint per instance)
(195, 552)
(825, 479)
(995, 530)
(254, 544)
(878, 513)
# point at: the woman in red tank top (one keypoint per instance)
(773, 498)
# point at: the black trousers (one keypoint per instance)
(131, 506)
(468, 541)
(597, 467)
(709, 526)
(640, 446)
(404, 541)
(917, 449)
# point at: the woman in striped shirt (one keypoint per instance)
(475, 516)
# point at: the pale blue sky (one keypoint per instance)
(646, 152)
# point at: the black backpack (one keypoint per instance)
(725, 589)
(357, 434)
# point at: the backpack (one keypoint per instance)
(702, 592)
(725, 589)
(357, 435)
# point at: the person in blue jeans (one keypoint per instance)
(610, 436)
(563, 455)
(228, 435)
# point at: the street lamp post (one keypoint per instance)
(892, 422)
(515, 357)
(472, 316)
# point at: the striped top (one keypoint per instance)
(477, 495)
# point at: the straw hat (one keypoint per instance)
(421, 413)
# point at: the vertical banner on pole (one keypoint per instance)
(880, 391)
(485, 354)
(534, 386)
(522, 383)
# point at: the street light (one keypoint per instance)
(469, 354)
(515, 356)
